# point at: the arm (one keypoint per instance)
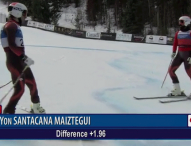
(11, 30)
(175, 44)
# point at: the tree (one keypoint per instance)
(119, 9)
(109, 24)
(129, 15)
(91, 11)
(77, 3)
(133, 20)
(40, 11)
(78, 19)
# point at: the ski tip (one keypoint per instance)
(162, 101)
(167, 101)
(136, 98)
(141, 98)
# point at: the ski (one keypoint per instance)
(158, 97)
(23, 109)
(175, 100)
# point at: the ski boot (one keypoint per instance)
(177, 91)
(189, 97)
(37, 109)
(8, 110)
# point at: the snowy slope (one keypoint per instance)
(92, 76)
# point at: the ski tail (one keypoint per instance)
(175, 100)
(158, 97)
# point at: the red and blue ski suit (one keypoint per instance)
(182, 40)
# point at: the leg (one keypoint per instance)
(31, 84)
(18, 92)
(187, 62)
(174, 66)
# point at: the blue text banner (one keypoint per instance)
(94, 120)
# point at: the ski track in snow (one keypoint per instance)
(93, 76)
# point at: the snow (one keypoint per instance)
(77, 75)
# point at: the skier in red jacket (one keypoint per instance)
(182, 40)
(16, 59)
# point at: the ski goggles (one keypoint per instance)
(181, 21)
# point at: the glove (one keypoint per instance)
(173, 55)
(28, 60)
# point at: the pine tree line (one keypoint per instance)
(132, 15)
(129, 15)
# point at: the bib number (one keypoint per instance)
(21, 40)
(189, 60)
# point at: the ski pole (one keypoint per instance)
(14, 84)
(5, 85)
(167, 73)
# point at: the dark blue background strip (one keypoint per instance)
(99, 134)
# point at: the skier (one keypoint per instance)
(16, 60)
(183, 41)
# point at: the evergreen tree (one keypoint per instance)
(132, 20)
(110, 3)
(129, 15)
(91, 11)
(119, 10)
(77, 3)
(40, 12)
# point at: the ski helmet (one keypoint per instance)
(17, 10)
(185, 20)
